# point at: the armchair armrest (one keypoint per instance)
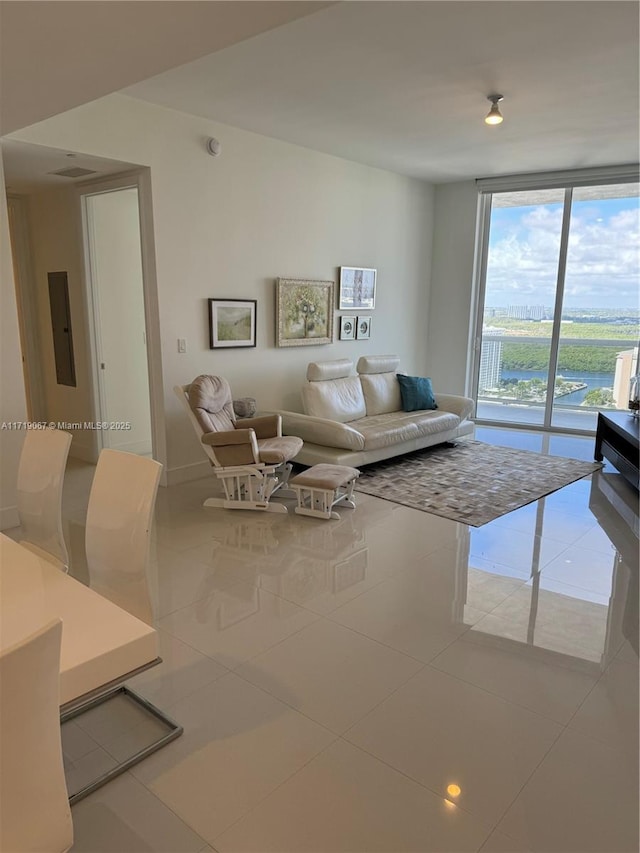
(233, 447)
(463, 407)
(322, 431)
(265, 426)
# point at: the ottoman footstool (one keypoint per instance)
(320, 488)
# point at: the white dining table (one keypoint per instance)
(101, 643)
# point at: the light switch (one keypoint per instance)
(182, 344)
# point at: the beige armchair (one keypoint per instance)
(250, 456)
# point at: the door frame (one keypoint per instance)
(141, 180)
(26, 303)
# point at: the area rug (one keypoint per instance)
(471, 482)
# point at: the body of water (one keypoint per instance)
(591, 380)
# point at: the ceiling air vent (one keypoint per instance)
(74, 172)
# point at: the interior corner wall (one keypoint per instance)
(228, 226)
(56, 245)
(451, 306)
(13, 405)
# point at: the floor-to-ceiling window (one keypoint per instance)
(558, 321)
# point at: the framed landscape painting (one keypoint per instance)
(357, 288)
(304, 312)
(232, 323)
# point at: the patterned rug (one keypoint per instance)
(472, 482)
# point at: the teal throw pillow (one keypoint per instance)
(416, 393)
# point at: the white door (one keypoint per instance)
(114, 263)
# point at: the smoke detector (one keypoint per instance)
(213, 146)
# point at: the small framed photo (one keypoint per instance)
(363, 328)
(232, 323)
(357, 288)
(347, 328)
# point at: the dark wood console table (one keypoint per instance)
(617, 439)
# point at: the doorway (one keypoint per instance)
(118, 333)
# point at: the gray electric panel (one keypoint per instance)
(61, 327)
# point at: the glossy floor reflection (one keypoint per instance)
(392, 681)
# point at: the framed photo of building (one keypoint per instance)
(304, 312)
(357, 288)
(232, 323)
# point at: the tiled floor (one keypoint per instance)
(389, 682)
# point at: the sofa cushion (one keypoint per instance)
(387, 430)
(381, 393)
(339, 400)
(416, 393)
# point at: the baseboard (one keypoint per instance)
(9, 517)
(186, 473)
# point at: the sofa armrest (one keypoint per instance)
(264, 426)
(463, 407)
(322, 431)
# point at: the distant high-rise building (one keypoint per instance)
(490, 359)
(527, 312)
(626, 367)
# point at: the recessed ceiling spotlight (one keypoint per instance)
(494, 116)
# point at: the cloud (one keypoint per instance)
(603, 257)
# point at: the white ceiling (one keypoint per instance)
(398, 85)
(57, 55)
(402, 85)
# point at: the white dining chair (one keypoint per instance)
(34, 806)
(118, 529)
(40, 479)
(117, 544)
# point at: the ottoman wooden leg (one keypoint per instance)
(322, 487)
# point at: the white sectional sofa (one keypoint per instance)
(355, 420)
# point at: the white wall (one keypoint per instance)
(13, 406)
(451, 301)
(56, 244)
(227, 227)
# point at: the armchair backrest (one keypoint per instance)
(182, 393)
(207, 401)
(210, 401)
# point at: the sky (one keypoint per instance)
(603, 260)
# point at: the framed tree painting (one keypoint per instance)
(304, 312)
